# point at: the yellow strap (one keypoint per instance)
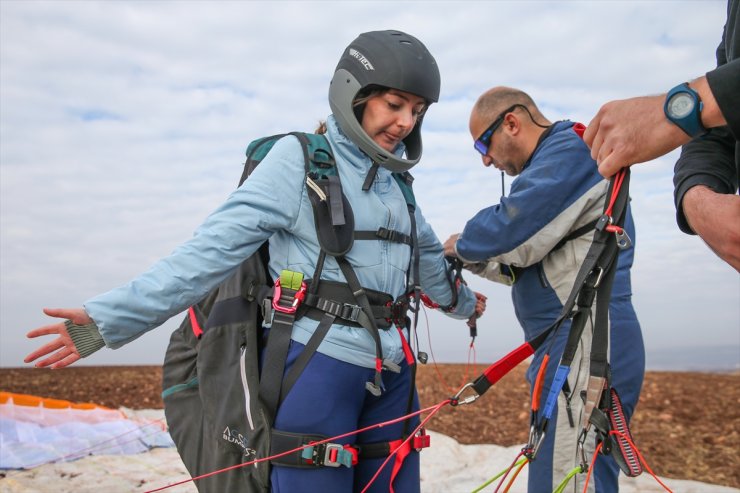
(291, 280)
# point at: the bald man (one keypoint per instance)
(536, 240)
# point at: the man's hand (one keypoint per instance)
(449, 245)
(715, 217)
(631, 131)
(480, 303)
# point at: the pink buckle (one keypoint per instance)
(297, 299)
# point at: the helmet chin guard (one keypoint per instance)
(389, 59)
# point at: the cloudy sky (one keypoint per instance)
(123, 124)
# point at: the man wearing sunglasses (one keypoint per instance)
(535, 240)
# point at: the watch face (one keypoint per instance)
(680, 105)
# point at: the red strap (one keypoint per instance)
(400, 457)
(419, 442)
(496, 371)
(406, 348)
(539, 382)
(428, 301)
(194, 323)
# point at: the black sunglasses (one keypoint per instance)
(482, 143)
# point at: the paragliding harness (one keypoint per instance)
(602, 406)
(220, 405)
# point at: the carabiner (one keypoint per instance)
(297, 299)
(581, 448)
(455, 401)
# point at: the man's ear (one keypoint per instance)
(512, 125)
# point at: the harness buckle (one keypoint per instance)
(603, 222)
(383, 233)
(623, 239)
(350, 312)
(297, 298)
(581, 447)
(330, 455)
(598, 277)
(422, 440)
(398, 311)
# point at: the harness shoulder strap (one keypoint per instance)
(577, 233)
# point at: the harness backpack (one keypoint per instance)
(219, 404)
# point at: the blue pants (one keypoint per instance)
(329, 398)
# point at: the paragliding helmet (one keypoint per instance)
(385, 59)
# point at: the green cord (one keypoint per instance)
(564, 482)
(479, 488)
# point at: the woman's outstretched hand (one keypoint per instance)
(61, 351)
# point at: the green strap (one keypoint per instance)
(193, 382)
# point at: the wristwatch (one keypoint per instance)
(683, 108)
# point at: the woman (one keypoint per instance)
(381, 88)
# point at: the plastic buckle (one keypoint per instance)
(267, 311)
(297, 299)
(422, 440)
(350, 312)
(354, 453)
(603, 222)
(332, 454)
(383, 233)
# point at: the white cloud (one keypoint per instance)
(122, 124)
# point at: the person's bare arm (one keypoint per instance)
(635, 130)
(715, 217)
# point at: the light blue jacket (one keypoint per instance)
(273, 205)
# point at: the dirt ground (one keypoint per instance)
(687, 425)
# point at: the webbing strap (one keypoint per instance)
(282, 441)
(361, 297)
(275, 354)
(348, 313)
(594, 280)
(310, 348)
(416, 283)
(384, 234)
(404, 449)
(577, 233)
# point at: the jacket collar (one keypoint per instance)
(348, 150)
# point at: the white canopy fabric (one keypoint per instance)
(36, 431)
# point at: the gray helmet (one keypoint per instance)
(390, 59)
